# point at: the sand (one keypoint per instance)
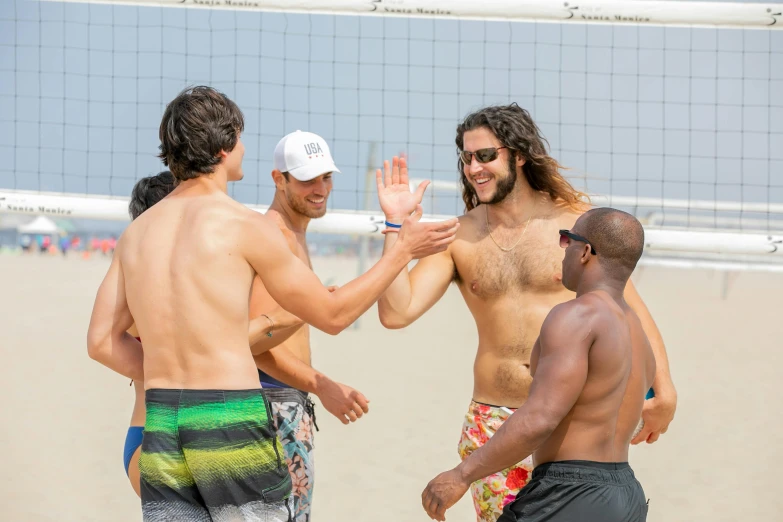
(65, 416)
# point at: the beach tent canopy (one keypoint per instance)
(40, 225)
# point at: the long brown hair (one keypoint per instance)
(513, 126)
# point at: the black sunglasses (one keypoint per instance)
(565, 235)
(482, 155)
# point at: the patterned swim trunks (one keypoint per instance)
(492, 493)
(211, 456)
(294, 419)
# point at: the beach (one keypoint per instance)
(65, 416)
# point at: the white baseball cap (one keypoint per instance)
(304, 155)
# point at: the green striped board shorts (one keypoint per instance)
(212, 455)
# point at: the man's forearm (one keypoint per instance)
(662, 384)
(397, 297)
(516, 439)
(284, 366)
(263, 343)
(123, 354)
(359, 295)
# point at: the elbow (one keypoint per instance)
(333, 322)
(95, 346)
(393, 324)
(99, 343)
(548, 428)
(542, 427)
(336, 326)
(334, 330)
(391, 320)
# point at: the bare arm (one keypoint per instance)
(281, 323)
(284, 366)
(561, 373)
(411, 294)
(260, 342)
(659, 411)
(108, 341)
(261, 303)
(296, 288)
(342, 401)
(560, 376)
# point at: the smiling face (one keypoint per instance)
(307, 197)
(494, 180)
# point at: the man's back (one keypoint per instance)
(187, 286)
(621, 367)
(183, 274)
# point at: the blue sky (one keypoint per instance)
(652, 111)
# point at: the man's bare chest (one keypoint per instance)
(488, 272)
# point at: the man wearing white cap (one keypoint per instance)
(303, 169)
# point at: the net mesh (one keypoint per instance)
(645, 111)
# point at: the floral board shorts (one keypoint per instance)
(491, 494)
(294, 419)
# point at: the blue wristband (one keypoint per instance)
(392, 225)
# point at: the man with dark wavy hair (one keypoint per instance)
(507, 267)
(183, 272)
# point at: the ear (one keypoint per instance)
(519, 158)
(585, 254)
(222, 155)
(279, 180)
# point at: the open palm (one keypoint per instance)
(394, 193)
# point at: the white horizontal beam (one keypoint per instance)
(703, 264)
(746, 224)
(646, 202)
(116, 209)
(648, 12)
(64, 205)
(369, 223)
(712, 242)
(688, 204)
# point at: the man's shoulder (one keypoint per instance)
(215, 206)
(235, 216)
(597, 310)
(578, 311)
(568, 325)
(562, 214)
(134, 229)
(472, 214)
(470, 220)
(277, 219)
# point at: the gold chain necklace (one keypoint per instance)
(512, 247)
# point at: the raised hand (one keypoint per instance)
(394, 193)
(424, 239)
